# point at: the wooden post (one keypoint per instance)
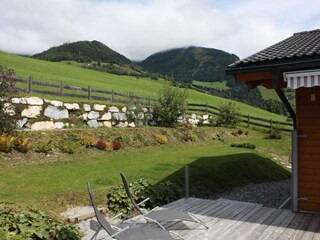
(248, 121)
(186, 178)
(61, 88)
(89, 92)
(29, 85)
(112, 96)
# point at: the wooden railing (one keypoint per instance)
(113, 96)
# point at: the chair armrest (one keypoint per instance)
(116, 216)
(123, 229)
(153, 209)
(147, 199)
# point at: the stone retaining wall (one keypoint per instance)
(45, 114)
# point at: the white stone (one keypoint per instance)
(107, 124)
(72, 106)
(199, 117)
(22, 122)
(120, 116)
(105, 117)
(206, 122)
(192, 121)
(56, 113)
(194, 116)
(93, 115)
(31, 111)
(47, 100)
(113, 109)
(100, 124)
(140, 115)
(124, 109)
(56, 103)
(59, 125)
(85, 116)
(87, 107)
(19, 100)
(34, 101)
(122, 124)
(132, 125)
(44, 125)
(93, 123)
(144, 110)
(205, 117)
(99, 107)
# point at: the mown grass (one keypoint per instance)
(76, 76)
(214, 167)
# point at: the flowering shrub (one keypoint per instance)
(22, 144)
(109, 146)
(161, 138)
(7, 89)
(101, 144)
(116, 145)
(88, 141)
(6, 143)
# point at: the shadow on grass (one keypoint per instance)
(211, 175)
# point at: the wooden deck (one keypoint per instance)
(229, 219)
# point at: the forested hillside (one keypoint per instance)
(192, 63)
(83, 51)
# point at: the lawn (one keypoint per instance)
(76, 76)
(213, 164)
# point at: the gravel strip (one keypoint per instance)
(269, 194)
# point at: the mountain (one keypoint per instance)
(83, 51)
(190, 63)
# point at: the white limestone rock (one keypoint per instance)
(87, 107)
(93, 115)
(56, 113)
(22, 122)
(140, 115)
(144, 110)
(124, 109)
(113, 109)
(44, 125)
(19, 100)
(34, 101)
(206, 122)
(132, 124)
(120, 116)
(194, 116)
(107, 124)
(105, 117)
(93, 123)
(59, 125)
(205, 117)
(56, 103)
(72, 106)
(85, 116)
(31, 111)
(99, 107)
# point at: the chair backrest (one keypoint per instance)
(100, 218)
(126, 187)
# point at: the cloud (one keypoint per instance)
(139, 28)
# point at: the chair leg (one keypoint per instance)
(95, 234)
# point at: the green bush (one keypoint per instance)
(244, 145)
(275, 132)
(170, 104)
(229, 115)
(45, 148)
(159, 195)
(68, 146)
(7, 89)
(33, 224)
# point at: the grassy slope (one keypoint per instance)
(218, 85)
(71, 75)
(55, 185)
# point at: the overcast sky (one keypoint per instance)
(139, 28)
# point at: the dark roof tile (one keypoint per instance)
(298, 45)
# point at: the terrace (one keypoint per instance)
(229, 219)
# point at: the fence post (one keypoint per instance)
(186, 178)
(89, 92)
(112, 96)
(61, 88)
(29, 85)
(248, 121)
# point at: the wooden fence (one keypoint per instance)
(81, 92)
(113, 96)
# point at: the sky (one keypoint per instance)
(139, 28)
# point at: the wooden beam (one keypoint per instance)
(254, 76)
